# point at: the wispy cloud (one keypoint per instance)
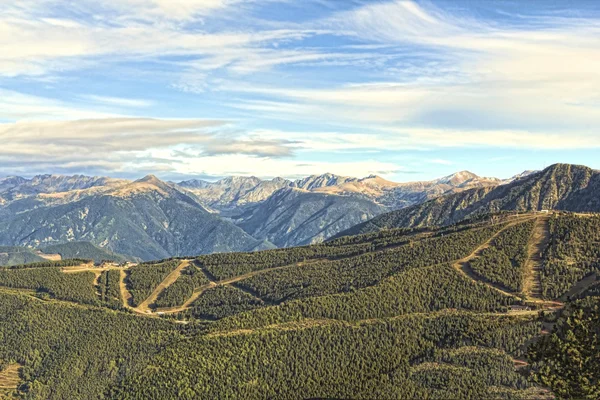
(119, 101)
(114, 143)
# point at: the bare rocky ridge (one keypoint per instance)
(238, 191)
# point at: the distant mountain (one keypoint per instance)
(235, 191)
(17, 187)
(399, 195)
(292, 217)
(321, 181)
(560, 186)
(148, 219)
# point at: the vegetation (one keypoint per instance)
(568, 360)
(418, 290)
(377, 316)
(191, 279)
(53, 264)
(109, 288)
(144, 278)
(322, 359)
(75, 352)
(321, 278)
(572, 254)
(228, 265)
(78, 287)
(504, 261)
(222, 301)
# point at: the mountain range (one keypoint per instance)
(151, 219)
(560, 187)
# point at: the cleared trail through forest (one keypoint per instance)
(540, 238)
(312, 322)
(168, 281)
(198, 292)
(125, 294)
(580, 286)
(464, 265)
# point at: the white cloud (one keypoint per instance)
(542, 81)
(126, 30)
(119, 101)
(382, 138)
(239, 164)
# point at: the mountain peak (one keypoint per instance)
(150, 179)
(458, 178)
(324, 180)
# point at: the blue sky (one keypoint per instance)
(209, 88)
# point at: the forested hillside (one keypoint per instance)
(85, 250)
(15, 255)
(438, 313)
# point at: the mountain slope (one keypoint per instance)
(148, 219)
(86, 251)
(292, 217)
(401, 309)
(560, 186)
(15, 255)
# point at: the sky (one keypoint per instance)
(210, 88)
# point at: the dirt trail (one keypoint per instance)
(539, 241)
(520, 363)
(125, 294)
(168, 281)
(464, 267)
(97, 275)
(9, 379)
(228, 281)
(73, 270)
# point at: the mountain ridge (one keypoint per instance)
(561, 186)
